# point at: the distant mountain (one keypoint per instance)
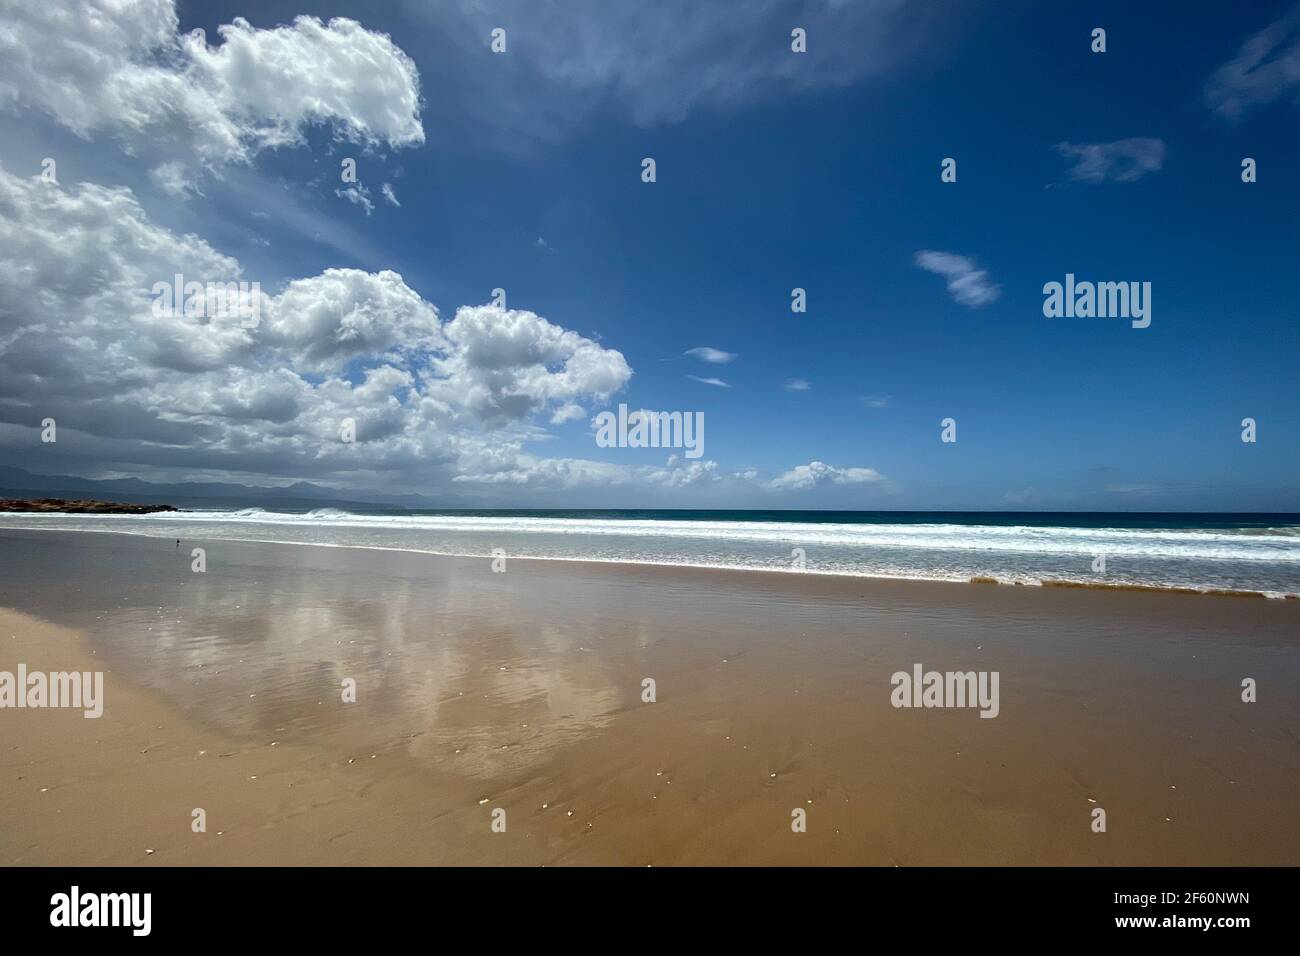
(300, 496)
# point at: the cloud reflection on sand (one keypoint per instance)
(443, 666)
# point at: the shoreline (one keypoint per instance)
(1080, 584)
(523, 692)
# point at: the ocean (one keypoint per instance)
(1257, 553)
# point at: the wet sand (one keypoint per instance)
(522, 691)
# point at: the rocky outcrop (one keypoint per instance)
(81, 506)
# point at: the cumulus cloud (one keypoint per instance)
(1266, 68)
(706, 354)
(345, 314)
(568, 474)
(568, 413)
(815, 473)
(153, 390)
(83, 340)
(968, 284)
(1122, 161)
(505, 364)
(387, 191)
(120, 68)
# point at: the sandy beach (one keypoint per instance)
(522, 691)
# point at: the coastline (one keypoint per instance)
(814, 572)
(523, 689)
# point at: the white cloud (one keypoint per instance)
(681, 473)
(81, 341)
(967, 283)
(174, 179)
(568, 413)
(1266, 68)
(345, 314)
(797, 385)
(815, 473)
(121, 68)
(706, 354)
(715, 382)
(875, 401)
(505, 364)
(567, 474)
(1122, 161)
(387, 191)
(358, 195)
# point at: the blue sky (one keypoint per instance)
(777, 170)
